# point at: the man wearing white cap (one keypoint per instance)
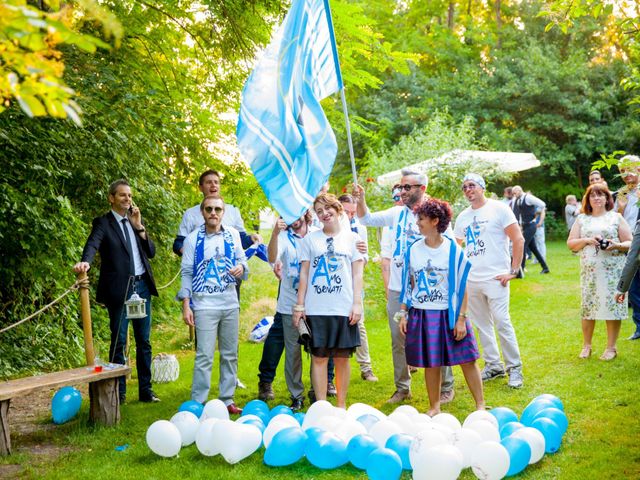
(485, 228)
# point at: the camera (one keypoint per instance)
(604, 244)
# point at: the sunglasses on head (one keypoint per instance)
(406, 187)
(210, 209)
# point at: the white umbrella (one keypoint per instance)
(506, 161)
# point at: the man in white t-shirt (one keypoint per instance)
(627, 205)
(485, 228)
(405, 230)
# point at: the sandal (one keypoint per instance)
(609, 354)
(585, 353)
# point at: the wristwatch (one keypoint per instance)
(514, 271)
(139, 230)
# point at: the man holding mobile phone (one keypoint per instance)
(125, 249)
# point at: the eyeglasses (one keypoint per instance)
(408, 187)
(469, 186)
(218, 210)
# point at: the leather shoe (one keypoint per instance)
(122, 399)
(635, 336)
(233, 409)
(399, 396)
(544, 270)
(150, 398)
(297, 404)
(447, 397)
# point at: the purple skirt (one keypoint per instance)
(430, 343)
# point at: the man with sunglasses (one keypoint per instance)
(485, 228)
(125, 249)
(212, 262)
(405, 230)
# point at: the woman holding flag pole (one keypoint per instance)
(330, 296)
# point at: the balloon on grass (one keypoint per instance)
(401, 443)
(557, 415)
(163, 438)
(191, 406)
(277, 424)
(382, 430)
(551, 432)
(368, 421)
(384, 464)
(480, 415)
(241, 441)
(286, 448)
(279, 410)
(535, 439)
(466, 440)
(447, 420)
(519, 454)
(509, 428)
(532, 409)
(326, 451)
(504, 415)
(490, 461)
(204, 438)
(422, 442)
(487, 430)
(359, 448)
(215, 409)
(441, 462)
(187, 423)
(552, 398)
(65, 404)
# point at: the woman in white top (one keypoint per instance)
(601, 235)
(330, 296)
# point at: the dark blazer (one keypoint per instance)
(632, 263)
(107, 238)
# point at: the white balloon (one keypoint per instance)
(219, 435)
(188, 425)
(448, 420)
(535, 439)
(242, 440)
(246, 418)
(402, 420)
(423, 441)
(316, 411)
(480, 415)
(339, 412)
(408, 410)
(486, 429)
(440, 462)
(466, 440)
(329, 423)
(356, 410)
(163, 438)
(214, 409)
(273, 428)
(444, 429)
(382, 430)
(490, 461)
(349, 428)
(418, 423)
(204, 437)
(283, 417)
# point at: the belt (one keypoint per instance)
(137, 278)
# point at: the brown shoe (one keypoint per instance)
(447, 397)
(233, 409)
(400, 396)
(368, 376)
(265, 391)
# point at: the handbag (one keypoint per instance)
(304, 332)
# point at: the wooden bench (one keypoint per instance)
(103, 395)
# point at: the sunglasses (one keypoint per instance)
(218, 210)
(408, 187)
(470, 186)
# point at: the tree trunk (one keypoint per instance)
(499, 23)
(450, 15)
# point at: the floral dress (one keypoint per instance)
(600, 270)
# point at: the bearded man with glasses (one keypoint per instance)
(212, 262)
(405, 231)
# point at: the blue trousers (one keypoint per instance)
(119, 324)
(634, 299)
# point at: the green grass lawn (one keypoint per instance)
(602, 399)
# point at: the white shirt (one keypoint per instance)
(223, 294)
(137, 261)
(630, 213)
(429, 269)
(289, 247)
(330, 281)
(386, 242)
(356, 227)
(486, 243)
(193, 218)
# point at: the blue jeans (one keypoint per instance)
(119, 324)
(634, 299)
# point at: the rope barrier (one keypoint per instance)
(78, 284)
(172, 280)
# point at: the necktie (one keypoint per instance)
(353, 226)
(132, 267)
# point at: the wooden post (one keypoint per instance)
(5, 437)
(85, 309)
(105, 402)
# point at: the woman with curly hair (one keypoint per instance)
(434, 303)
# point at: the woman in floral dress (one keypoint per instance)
(601, 235)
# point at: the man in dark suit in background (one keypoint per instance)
(125, 249)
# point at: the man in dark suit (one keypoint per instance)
(125, 249)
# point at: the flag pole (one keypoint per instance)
(334, 47)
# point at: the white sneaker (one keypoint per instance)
(516, 380)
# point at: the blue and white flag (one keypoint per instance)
(282, 131)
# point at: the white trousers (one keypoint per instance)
(489, 310)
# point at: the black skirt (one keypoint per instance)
(332, 336)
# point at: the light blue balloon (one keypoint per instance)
(286, 447)
(519, 454)
(65, 404)
(255, 406)
(314, 432)
(551, 398)
(557, 415)
(368, 420)
(279, 410)
(259, 424)
(326, 451)
(504, 415)
(192, 406)
(359, 448)
(532, 409)
(509, 428)
(551, 432)
(384, 464)
(401, 443)
(299, 416)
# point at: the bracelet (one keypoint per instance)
(463, 315)
(140, 230)
(400, 315)
(298, 308)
